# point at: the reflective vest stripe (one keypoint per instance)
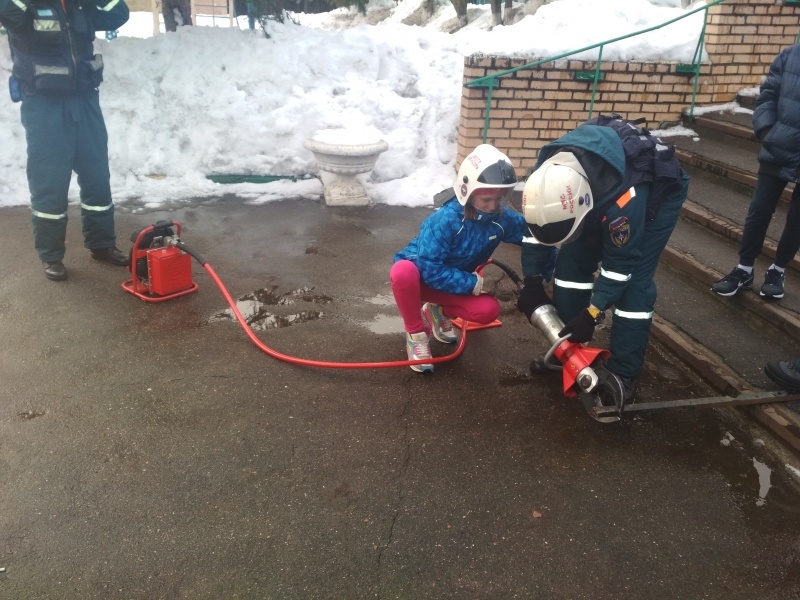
(632, 315)
(614, 276)
(575, 285)
(626, 197)
(96, 208)
(50, 216)
(108, 6)
(20, 5)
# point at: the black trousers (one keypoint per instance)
(765, 198)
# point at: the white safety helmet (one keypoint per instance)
(484, 168)
(556, 199)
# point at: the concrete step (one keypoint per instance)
(723, 156)
(746, 100)
(726, 340)
(740, 337)
(724, 343)
(729, 224)
(734, 124)
(713, 255)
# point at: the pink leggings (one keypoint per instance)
(410, 293)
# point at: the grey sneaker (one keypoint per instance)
(773, 285)
(441, 327)
(417, 348)
(733, 282)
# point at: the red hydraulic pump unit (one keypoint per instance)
(160, 269)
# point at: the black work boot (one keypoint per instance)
(114, 255)
(539, 367)
(55, 271)
(785, 374)
(615, 384)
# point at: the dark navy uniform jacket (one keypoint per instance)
(616, 223)
(51, 41)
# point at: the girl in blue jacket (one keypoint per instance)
(436, 270)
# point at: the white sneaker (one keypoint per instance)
(441, 326)
(417, 348)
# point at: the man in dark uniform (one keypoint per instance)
(55, 76)
(606, 193)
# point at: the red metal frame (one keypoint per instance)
(135, 286)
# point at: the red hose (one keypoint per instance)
(322, 363)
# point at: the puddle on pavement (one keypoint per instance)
(385, 324)
(253, 308)
(764, 476)
(381, 300)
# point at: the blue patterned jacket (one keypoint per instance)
(449, 247)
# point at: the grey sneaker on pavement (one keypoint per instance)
(733, 282)
(441, 327)
(417, 348)
(773, 285)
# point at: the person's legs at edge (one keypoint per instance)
(759, 214)
(91, 166)
(788, 245)
(50, 137)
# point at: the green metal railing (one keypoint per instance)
(491, 81)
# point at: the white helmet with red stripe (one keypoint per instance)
(484, 168)
(556, 199)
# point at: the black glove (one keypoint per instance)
(581, 327)
(532, 295)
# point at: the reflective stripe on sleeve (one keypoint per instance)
(20, 5)
(575, 285)
(50, 216)
(530, 240)
(96, 208)
(108, 6)
(614, 276)
(632, 315)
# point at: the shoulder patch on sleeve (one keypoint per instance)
(620, 231)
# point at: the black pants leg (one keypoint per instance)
(765, 198)
(789, 243)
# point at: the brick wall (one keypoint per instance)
(532, 107)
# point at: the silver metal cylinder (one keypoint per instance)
(546, 319)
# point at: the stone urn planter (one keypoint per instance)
(342, 154)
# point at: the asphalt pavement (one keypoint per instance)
(150, 450)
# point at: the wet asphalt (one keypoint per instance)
(150, 450)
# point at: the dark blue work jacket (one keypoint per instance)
(52, 41)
